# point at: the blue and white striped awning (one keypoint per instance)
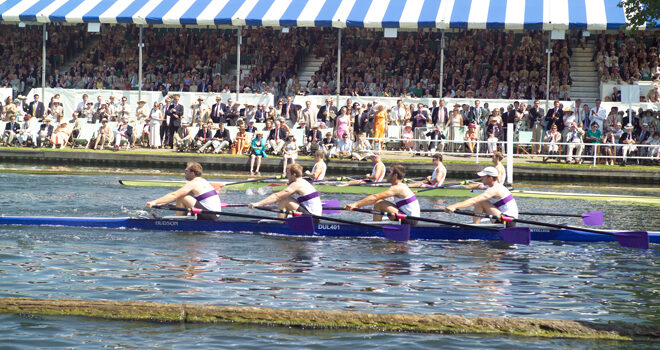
(495, 14)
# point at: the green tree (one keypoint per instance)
(639, 12)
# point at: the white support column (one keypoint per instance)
(43, 65)
(509, 152)
(238, 63)
(547, 75)
(140, 46)
(338, 66)
(442, 63)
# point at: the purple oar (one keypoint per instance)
(332, 203)
(630, 239)
(594, 218)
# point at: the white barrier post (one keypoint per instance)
(509, 152)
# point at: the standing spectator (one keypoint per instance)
(343, 122)
(454, 123)
(200, 111)
(175, 114)
(308, 115)
(56, 110)
(218, 110)
(326, 112)
(155, 120)
(36, 108)
(598, 115)
(615, 96)
(290, 153)
(380, 123)
(555, 117)
(290, 111)
(141, 112)
(123, 109)
(536, 125)
(258, 152)
(82, 104)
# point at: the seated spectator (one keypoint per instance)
(654, 151)
(314, 138)
(628, 141)
(344, 147)
(99, 138)
(241, 144)
(124, 132)
(407, 136)
(574, 137)
(436, 135)
(492, 141)
(609, 147)
(362, 148)
(11, 129)
(276, 138)
(220, 141)
(290, 153)
(471, 138)
(328, 144)
(60, 135)
(592, 136)
(203, 137)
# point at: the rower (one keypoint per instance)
(308, 201)
(437, 178)
(318, 171)
(377, 173)
(501, 173)
(495, 200)
(196, 193)
(405, 200)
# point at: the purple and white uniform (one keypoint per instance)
(208, 199)
(409, 206)
(506, 205)
(311, 200)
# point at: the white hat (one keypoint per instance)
(371, 154)
(629, 126)
(490, 171)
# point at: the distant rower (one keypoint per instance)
(308, 200)
(437, 178)
(196, 193)
(495, 200)
(377, 173)
(318, 171)
(404, 199)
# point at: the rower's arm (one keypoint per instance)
(488, 194)
(275, 197)
(372, 199)
(172, 196)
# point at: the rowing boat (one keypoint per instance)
(433, 232)
(443, 192)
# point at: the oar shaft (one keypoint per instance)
(221, 213)
(462, 212)
(296, 213)
(435, 221)
(550, 214)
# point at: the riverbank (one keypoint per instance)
(459, 167)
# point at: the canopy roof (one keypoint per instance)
(495, 14)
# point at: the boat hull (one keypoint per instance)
(428, 232)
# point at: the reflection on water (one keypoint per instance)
(599, 281)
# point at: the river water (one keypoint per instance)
(596, 281)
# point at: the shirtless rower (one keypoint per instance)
(308, 200)
(318, 171)
(377, 173)
(437, 178)
(196, 193)
(405, 200)
(496, 199)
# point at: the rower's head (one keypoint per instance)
(294, 171)
(318, 155)
(396, 173)
(497, 157)
(374, 157)
(488, 176)
(437, 158)
(193, 170)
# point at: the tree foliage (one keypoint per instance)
(639, 12)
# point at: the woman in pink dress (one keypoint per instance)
(343, 122)
(60, 135)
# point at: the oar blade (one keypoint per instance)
(595, 218)
(516, 235)
(304, 224)
(399, 233)
(633, 239)
(332, 203)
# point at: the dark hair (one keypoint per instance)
(194, 168)
(438, 156)
(399, 171)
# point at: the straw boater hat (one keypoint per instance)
(200, 98)
(629, 126)
(141, 102)
(568, 109)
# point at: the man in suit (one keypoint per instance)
(290, 111)
(308, 115)
(204, 134)
(555, 116)
(45, 132)
(36, 108)
(536, 125)
(218, 111)
(327, 112)
(11, 129)
(276, 138)
(260, 114)
(231, 112)
(175, 112)
(220, 140)
(314, 138)
(200, 110)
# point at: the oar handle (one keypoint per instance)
(507, 218)
(462, 183)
